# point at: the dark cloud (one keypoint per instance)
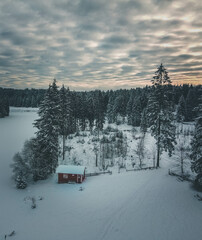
(89, 44)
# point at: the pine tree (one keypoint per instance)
(118, 108)
(83, 111)
(196, 154)
(159, 112)
(110, 110)
(90, 112)
(190, 104)
(181, 110)
(99, 111)
(182, 154)
(143, 124)
(136, 112)
(65, 120)
(140, 151)
(129, 107)
(47, 136)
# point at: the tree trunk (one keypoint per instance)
(63, 148)
(96, 159)
(158, 144)
(158, 155)
(182, 163)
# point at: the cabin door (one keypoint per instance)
(79, 178)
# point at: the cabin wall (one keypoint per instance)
(65, 178)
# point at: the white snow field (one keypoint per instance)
(127, 206)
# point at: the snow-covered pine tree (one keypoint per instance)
(196, 154)
(65, 120)
(75, 105)
(20, 171)
(99, 111)
(129, 107)
(140, 151)
(119, 108)
(191, 100)
(136, 112)
(90, 112)
(110, 110)
(159, 114)
(181, 110)
(47, 136)
(182, 152)
(143, 124)
(83, 111)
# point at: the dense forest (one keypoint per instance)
(115, 105)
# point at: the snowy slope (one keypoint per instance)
(130, 205)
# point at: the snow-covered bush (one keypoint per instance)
(95, 139)
(82, 141)
(77, 134)
(70, 136)
(21, 170)
(21, 182)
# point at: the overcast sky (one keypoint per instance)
(99, 44)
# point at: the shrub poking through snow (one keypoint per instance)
(197, 196)
(11, 234)
(33, 203)
(32, 200)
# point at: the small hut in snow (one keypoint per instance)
(70, 173)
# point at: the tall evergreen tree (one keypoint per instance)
(83, 111)
(65, 120)
(47, 136)
(99, 111)
(136, 112)
(90, 112)
(110, 110)
(129, 107)
(143, 124)
(159, 112)
(196, 144)
(181, 110)
(190, 104)
(119, 108)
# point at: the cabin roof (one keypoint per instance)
(71, 169)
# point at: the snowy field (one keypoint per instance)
(131, 205)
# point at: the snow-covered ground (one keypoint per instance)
(131, 205)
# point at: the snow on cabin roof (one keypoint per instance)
(71, 169)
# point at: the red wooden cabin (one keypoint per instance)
(70, 173)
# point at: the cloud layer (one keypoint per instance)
(102, 44)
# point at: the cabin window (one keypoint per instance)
(65, 175)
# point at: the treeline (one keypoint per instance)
(4, 104)
(118, 106)
(24, 98)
